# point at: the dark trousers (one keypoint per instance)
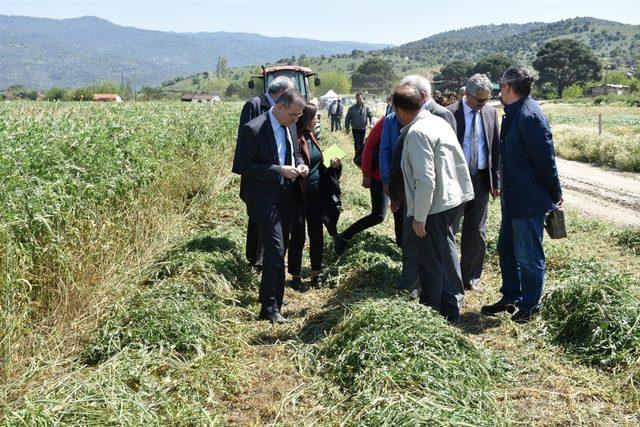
(335, 122)
(379, 205)
(398, 223)
(253, 246)
(522, 260)
(274, 219)
(358, 144)
(410, 246)
(473, 242)
(438, 265)
(311, 215)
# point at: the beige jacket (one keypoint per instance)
(436, 176)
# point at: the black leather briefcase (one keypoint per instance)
(555, 225)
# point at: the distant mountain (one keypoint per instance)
(40, 52)
(521, 41)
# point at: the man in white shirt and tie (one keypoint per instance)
(479, 135)
(269, 162)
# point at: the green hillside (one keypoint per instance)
(617, 44)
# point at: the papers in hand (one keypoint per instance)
(331, 153)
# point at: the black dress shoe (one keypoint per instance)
(339, 244)
(523, 316)
(277, 317)
(316, 282)
(499, 307)
(296, 284)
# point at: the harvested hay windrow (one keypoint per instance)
(171, 315)
(133, 388)
(594, 315)
(210, 260)
(401, 364)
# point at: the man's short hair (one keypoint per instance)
(419, 82)
(520, 78)
(407, 97)
(478, 82)
(292, 96)
(359, 94)
(280, 83)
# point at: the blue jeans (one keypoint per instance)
(522, 260)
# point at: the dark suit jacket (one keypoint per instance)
(396, 179)
(256, 161)
(253, 108)
(491, 136)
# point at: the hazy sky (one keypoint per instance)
(380, 21)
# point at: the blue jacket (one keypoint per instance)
(530, 182)
(390, 134)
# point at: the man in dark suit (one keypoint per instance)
(269, 162)
(253, 108)
(479, 135)
(390, 156)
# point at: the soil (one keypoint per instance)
(606, 194)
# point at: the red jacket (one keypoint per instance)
(370, 162)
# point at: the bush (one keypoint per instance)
(402, 364)
(170, 315)
(593, 314)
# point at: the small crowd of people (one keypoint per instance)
(434, 167)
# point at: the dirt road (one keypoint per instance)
(612, 196)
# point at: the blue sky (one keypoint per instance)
(376, 21)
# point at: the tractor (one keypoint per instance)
(299, 75)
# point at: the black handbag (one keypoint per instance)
(555, 225)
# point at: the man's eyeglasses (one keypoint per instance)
(479, 100)
(296, 115)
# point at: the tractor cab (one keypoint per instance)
(299, 75)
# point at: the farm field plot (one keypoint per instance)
(575, 130)
(158, 326)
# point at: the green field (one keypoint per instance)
(126, 299)
(576, 134)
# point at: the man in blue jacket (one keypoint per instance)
(530, 189)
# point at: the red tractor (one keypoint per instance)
(299, 75)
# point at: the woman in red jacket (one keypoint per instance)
(371, 180)
(310, 202)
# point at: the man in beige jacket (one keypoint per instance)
(436, 182)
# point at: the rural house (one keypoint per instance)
(107, 97)
(609, 89)
(200, 98)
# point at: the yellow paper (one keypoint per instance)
(331, 153)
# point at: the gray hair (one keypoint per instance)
(419, 82)
(520, 79)
(280, 83)
(478, 82)
(292, 96)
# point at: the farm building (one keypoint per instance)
(199, 97)
(609, 89)
(107, 97)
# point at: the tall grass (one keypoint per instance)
(90, 194)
